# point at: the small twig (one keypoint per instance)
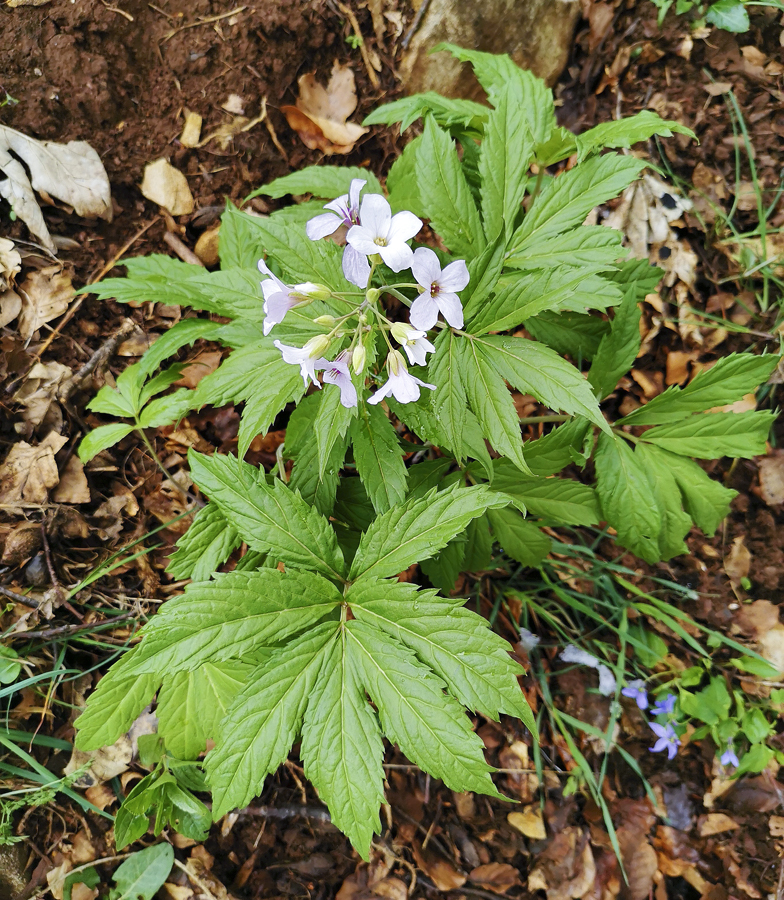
(116, 9)
(287, 812)
(349, 14)
(226, 15)
(415, 24)
(102, 353)
(185, 253)
(19, 598)
(63, 630)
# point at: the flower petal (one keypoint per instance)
(375, 214)
(424, 312)
(265, 270)
(353, 192)
(425, 266)
(382, 392)
(451, 308)
(321, 226)
(455, 276)
(276, 308)
(397, 255)
(356, 268)
(339, 205)
(362, 239)
(404, 226)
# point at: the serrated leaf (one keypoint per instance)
(454, 642)
(534, 369)
(507, 151)
(401, 181)
(478, 545)
(270, 518)
(675, 523)
(618, 349)
(207, 544)
(484, 271)
(113, 403)
(429, 726)
(113, 705)
(624, 133)
(327, 182)
(730, 379)
(342, 750)
(278, 385)
(707, 501)
(102, 438)
(731, 15)
(568, 333)
(264, 720)
(152, 278)
(566, 200)
(638, 274)
(627, 498)
(446, 111)
(524, 541)
(143, 873)
(559, 500)
(445, 195)
(167, 410)
(588, 245)
(231, 617)
(549, 454)
(181, 334)
(444, 569)
(712, 435)
(492, 405)
(330, 425)
(448, 401)
(192, 704)
(379, 458)
(416, 529)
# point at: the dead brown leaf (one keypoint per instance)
(167, 187)
(737, 562)
(21, 544)
(771, 477)
(717, 823)
(529, 822)
(320, 116)
(757, 618)
(437, 868)
(203, 364)
(100, 795)
(45, 295)
(39, 390)
(776, 825)
(566, 869)
(497, 877)
(73, 487)
(28, 473)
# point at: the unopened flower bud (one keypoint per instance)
(403, 333)
(319, 292)
(372, 295)
(396, 363)
(327, 321)
(317, 346)
(358, 358)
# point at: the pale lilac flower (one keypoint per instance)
(279, 298)
(729, 757)
(440, 287)
(668, 740)
(337, 373)
(573, 654)
(665, 707)
(414, 342)
(308, 358)
(636, 691)
(403, 386)
(528, 640)
(382, 233)
(344, 211)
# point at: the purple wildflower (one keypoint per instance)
(665, 707)
(729, 757)
(668, 740)
(636, 691)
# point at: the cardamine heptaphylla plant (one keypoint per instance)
(389, 362)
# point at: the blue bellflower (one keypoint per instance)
(635, 690)
(665, 707)
(668, 740)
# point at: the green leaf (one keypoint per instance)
(114, 704)
(446, 197)
(379, 458)
(183, 333)
(330, 425)
(729, 380)
(429, 726)
(731, 15)
(705, 500)
(566, 200)
(492, 404)
(535, 369)
(102, 438)
(444, 569)
(446, 111)
(755, 666)
(325, 181)
(167, 410)
(265, 720)
(755, 726)
(520, 539)
(269, 518)
(588, 245)
(267, 400)
(143, 873)
(710, 705)
(712, 435)
(484, 271)
(627, 498)
(559, 500)
(232, 617)
(448, 401)
(627, 132)
(401, 181)
(342, 750)
(675, 523)
(10, 667)
(568, 333)
(636, 273)
(507, 151)
(478, 545)
(88, 876)
(552, 452)
(618, 349)
(457, 644)
(153, 278)
(415, 530)
(206, 545)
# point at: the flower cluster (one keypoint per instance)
(374, 236)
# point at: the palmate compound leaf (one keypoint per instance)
(207, 544)
(270, 518)
(712, 435)
(448, 401)
(454, 642)
(327, 182)
(379, 457)
(415, 530)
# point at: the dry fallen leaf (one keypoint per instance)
(191, 130)
(320, 114)
(771, 476)
(737, 562)
(207, 247)
(438, 869)
(529, 822)
(28, 473)
(45, 294)
(757, 618)
(566, 869)
(168, 187)
(72, 173)
(73, 487)
(497, 877)
(717, 823)
(10, 262)
(100, 795)
(234, 104)
(55, 878)
(776, 825)
(39, 390)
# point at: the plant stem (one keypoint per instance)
(160, 465)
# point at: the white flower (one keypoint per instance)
(344, 211)
(279, 298)
(381, 232)
(572, 654)
(439, 290)
(337, 373)
(414, 342)
(528, 640)
(308, 358)
(403, 386)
